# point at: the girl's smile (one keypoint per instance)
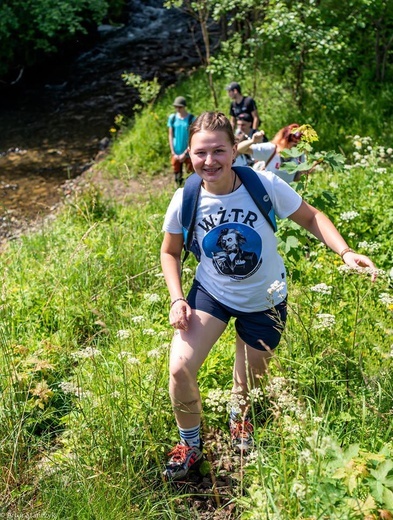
(212, 155)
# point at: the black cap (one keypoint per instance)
(233, 86)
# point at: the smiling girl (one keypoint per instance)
(239, 264)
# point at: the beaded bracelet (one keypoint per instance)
(346, 250)
(178, 300)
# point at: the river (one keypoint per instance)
(56, 119)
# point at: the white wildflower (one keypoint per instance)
(370, 246)
(277, 287)
(299, 489)
(149, 332)
(137, 319)
(276, 385)
(389, 151)
(217, 399)
(236, 402)
(256, 393)
(154, 353)
(322, 288)
(320, 445)
(128, 357)
(305, 456)
(386, 298)
(326, 321)
(253, 457)
(159, 275)
(152, 298)
(288, 403)
(68, 387)
(348, 215)
(88, 352)
(123, 333)
(291, 427)
(366, 270)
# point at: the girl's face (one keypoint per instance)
(212, 155)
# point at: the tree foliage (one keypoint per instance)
(317, 47)
(30, 27)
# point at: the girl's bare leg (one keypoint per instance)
(189, 350)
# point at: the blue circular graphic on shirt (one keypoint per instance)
(235, 249)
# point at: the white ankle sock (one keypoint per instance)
(191, 435)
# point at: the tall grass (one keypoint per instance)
(85, 418)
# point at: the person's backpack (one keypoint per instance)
(190, 117)
(192, 188)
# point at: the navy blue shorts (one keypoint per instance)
(254, 328)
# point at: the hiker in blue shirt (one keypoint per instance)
(178, 125)
(240, 275)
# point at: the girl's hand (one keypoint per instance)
(179, 314)
(354, 260)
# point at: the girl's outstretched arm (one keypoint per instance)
(323, 228)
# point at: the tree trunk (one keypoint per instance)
(203, 19)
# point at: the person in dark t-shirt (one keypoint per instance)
(241, 104)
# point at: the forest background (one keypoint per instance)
(85, 418)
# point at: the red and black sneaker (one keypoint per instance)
(241, 434)
(182, 459)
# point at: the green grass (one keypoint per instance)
(85, 417)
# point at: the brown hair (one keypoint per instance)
(212, 122)
(285, 136)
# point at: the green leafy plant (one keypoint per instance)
(311, 159)
(148, 90)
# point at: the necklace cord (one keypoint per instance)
(234, 183)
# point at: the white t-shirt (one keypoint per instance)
(262, 152)
(241, 160)
(239, 258)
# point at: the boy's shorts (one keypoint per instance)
(261, 330)
(177, 165)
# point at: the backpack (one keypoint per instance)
(190, 117)
(192, 186)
